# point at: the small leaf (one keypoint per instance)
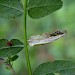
(14, 58)
(57, 66)
(45, 38)
(41, 8)
(10, 8)
(7, 50)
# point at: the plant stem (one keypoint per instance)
(13, 71)
(8, 64)
(25, 34)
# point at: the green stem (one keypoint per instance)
(25, 34)
(13, 71)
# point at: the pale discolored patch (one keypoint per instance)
(45, 38)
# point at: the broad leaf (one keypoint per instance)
(41, 8)
(57, 66)
(9, 48)
(68, 72)
(45, 38)
(10, 8)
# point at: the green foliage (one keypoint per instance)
(10, 8)
(70, 71)
(14, 58)
(41, 8)
(57, 66)
(9, 48)
(36, 9)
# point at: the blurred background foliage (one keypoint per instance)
(63, 48)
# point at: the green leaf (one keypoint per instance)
(57, 66)
(14, 58)
(68, 72)
(41, 8)
(10, 8)
(50, 74)
(9, 48)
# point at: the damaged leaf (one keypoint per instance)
(45, 38)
